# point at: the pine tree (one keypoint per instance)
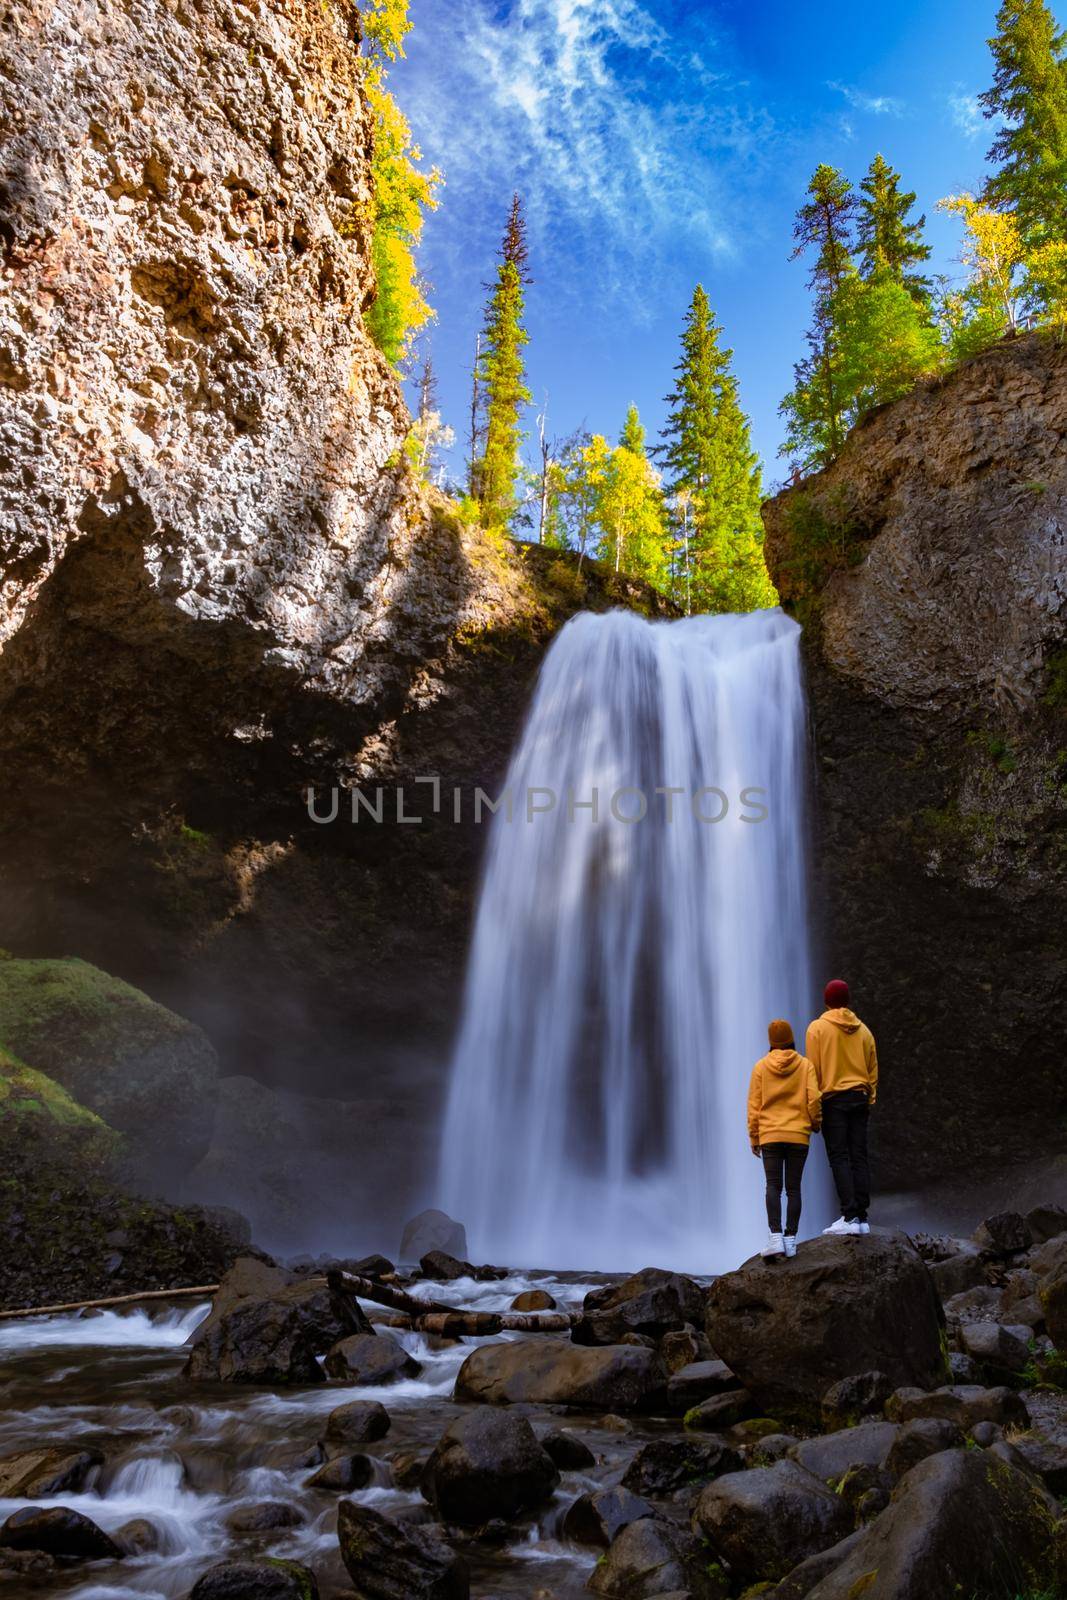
(888, 241)
(707, 451)
(817, 409)
(502, 377)
(1030, 93)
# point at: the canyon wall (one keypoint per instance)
(929, 565)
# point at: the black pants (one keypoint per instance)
(844, 1128)
(783, 1162)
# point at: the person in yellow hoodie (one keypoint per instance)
(783, 1113)
(842, 1050)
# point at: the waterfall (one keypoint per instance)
(626, 961)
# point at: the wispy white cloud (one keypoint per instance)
(623, 137)
(874, 105)
(966, 113)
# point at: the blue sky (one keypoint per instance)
(657, 143)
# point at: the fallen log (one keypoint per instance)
(112, 1300)
(451, 1322)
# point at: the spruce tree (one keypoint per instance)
(817, 411)
(1029, 93)
(503, 376)
(888, 241)
(707, 451)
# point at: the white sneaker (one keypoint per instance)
(841, 1227)
(774, 1246)
(790, 1242)
(864, 1227)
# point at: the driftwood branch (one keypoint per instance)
(418, 1316)
(114, 1300)
(427, 1316)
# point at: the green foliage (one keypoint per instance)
(403, 193)
(502, 379)
(887, 341)
(890, 243)
(1056, 680)
(712, 474)
(1029, 94)
(816, 412)
(618, 492)
(823, 536)
(997, 748)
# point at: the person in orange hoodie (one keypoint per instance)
(783, 1113)
(842, 1049)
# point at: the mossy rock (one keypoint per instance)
(40, 1123)
(146, 1072)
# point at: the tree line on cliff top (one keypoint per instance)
(684, 514)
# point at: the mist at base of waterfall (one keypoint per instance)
(625, 963)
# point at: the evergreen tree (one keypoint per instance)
(402, 192)
(888, 241)
(707, 451)
(502, 377)
(817, 409)
(1030, 94)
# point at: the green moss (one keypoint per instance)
(299, 1573)
(823, 534)
(996, 747)
(194, 835)
(40, 1121)
(1055, 694)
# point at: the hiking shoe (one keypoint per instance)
(864, 1227)
(841, 1226)
(790, 1242)
(774, 1246)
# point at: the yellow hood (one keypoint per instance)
(783, 1062)
(844, 1019)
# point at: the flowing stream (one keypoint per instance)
(185, 1458)
(627, 958)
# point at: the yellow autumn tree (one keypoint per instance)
(988, 306)
(403, 192)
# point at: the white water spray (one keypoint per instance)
(623, 972)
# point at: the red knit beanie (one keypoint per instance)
(836, 993)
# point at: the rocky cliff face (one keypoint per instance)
(218, 581)
(930, 566)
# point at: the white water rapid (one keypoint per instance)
(626, 963)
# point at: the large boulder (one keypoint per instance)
(962, 1522)
(145, 1071)
(488, 1463)
(653, 1558)
(651, 1302)
(698, 1381)
(549, 1371)
(925, 1436)
(1051, 1265)
(432, 1230)
(596, 1517)
(59, 1532)
(370, 1358)
(445, 1268)
(964, 1404)
(42, 1126)
(267, 1327)
(1001, 1352)
(40, 1474)
(831, 1457)
(358, 1422)
(389, 1560)
(761, 1523)
(845, 1307)
(256, 1580)
(665, 1465)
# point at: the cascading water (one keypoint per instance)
(626, 961)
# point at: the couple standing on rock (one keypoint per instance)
(791, 1096)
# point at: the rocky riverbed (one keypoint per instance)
(794, 1428)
